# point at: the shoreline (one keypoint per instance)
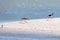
(36, 26)
(19, 20)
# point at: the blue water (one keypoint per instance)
(8, 36)
(15, 15)
(27, 38)
(18, 38)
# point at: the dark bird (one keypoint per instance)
(24, 18)
(50, 15)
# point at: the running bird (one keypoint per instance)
(24, 20)
(50, 15)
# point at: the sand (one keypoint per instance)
(50, 26)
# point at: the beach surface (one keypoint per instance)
(36, 26)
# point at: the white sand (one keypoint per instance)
(33, 26)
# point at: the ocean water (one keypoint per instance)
(15, 15)
(27, 38)
(17, 38)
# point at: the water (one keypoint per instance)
(17, 38)
(24, 38)
(6, 36)
(14, 15)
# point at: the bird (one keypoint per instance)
(50, 15)
(24, 20)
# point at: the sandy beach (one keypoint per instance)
(51, 26)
